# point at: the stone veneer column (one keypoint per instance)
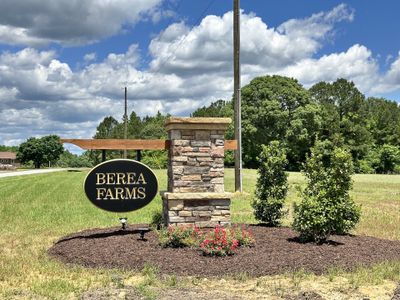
(196, 173)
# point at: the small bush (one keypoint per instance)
(219, 242)
(179, 236)
(326, 207)
(157, 219)
(243, 236)
(272, 185)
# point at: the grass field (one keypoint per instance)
(37, 210)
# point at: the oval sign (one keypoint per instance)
(121, 185)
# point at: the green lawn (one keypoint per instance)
(37, 210)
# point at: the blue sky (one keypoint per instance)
(63, 63)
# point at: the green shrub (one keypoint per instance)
(219, 241)
(157, 219)
(389, 158)
(179, 236)
(272, 185)
(243, 236)
(382, 160)
(155, 159)
(327, 207)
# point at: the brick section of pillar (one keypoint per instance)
(196, 166)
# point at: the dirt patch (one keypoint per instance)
(277, 250)
(155, 293)
(396, 295)
(306, 296)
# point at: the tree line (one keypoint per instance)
(278, 108)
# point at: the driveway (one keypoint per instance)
(29, 172)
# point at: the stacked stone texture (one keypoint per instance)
(197, 161)
(201, 212)
(196, 174)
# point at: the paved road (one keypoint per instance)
(28, 172)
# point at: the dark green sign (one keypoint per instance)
(121, 185)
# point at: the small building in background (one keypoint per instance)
(8, 160)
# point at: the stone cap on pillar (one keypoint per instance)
(197, 123)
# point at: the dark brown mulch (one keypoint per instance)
(277, 250)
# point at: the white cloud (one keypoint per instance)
(90, 57)
(208, 46)
(40, 94)
(69, 22)
(391, 80)
(356, 64)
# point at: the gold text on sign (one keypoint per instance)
(119, 178)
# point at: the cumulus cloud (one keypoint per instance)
(189, 67)
(356, 64)
(208, 46)
(69, 22)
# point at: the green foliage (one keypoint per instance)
(179, 236)
(326, 207)
(146, 128)
(389, 158)
(217, 242)
(40, 150)
(272, 184)
(383, 121)
(4, 148)
(67, 159)
(277, 108)
(244, 237)
(157, 219)
(217, 109)
(344, 117)
(155, 159)
(382, 160)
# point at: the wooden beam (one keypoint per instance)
(230, 144)
(118, 144)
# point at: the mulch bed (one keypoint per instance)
(277, 250)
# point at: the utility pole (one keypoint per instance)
(236, 93)
(126, 119)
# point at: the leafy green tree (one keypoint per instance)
(8, 148)
(106, 129)
(134, 126)
(68, 159)
(40, 150)
(383, 121)
(217, 109)
(326, 207)
(272, 184)
(344, 117)
(276, 108)
(154, 127)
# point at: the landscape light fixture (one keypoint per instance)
(123, 222)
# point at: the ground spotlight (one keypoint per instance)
(123, 221)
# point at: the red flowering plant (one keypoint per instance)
(244, 236)
(179, 236)
(219, 242)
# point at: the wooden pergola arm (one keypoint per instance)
(120, 144)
